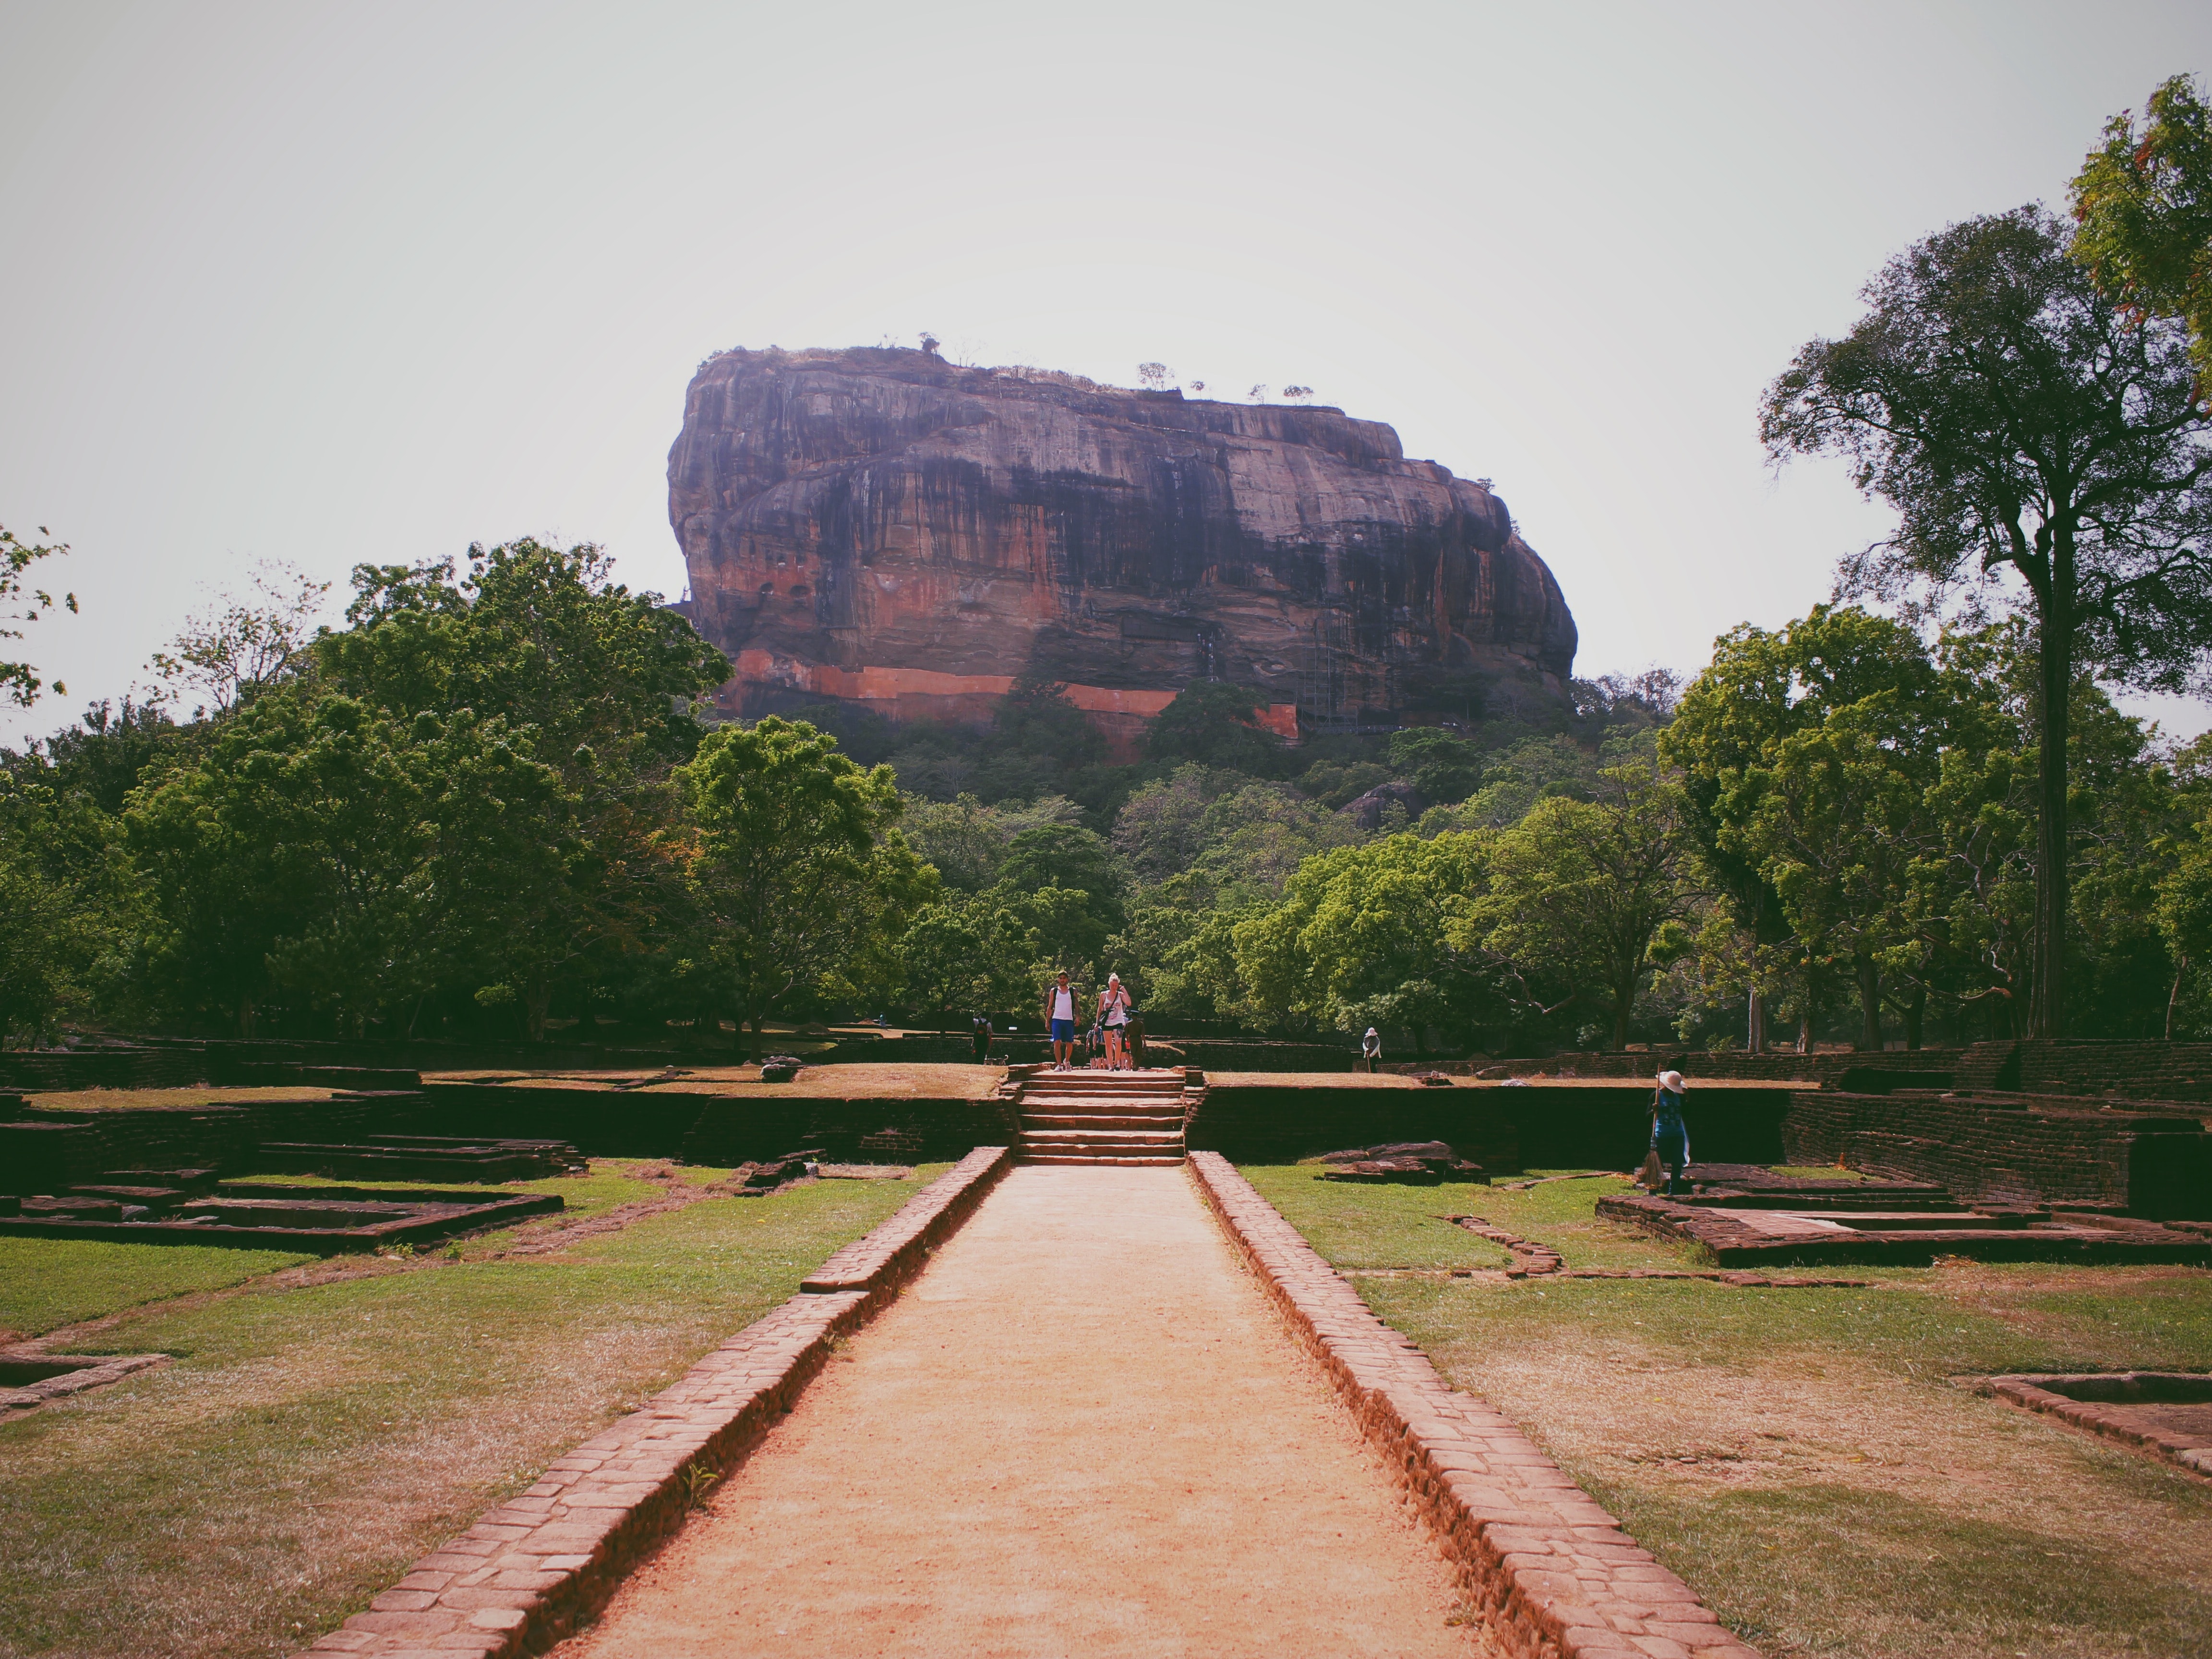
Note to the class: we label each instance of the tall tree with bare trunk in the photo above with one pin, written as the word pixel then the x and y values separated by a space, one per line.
pixel 2016 416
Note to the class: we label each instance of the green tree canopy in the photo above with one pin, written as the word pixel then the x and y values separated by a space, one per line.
pixel 2014 417
pixel 21 602
pixel 1591 894
pixel 1446 769
pixel 797 868
pixel 2143 207
pixel 1215 724
pixel 541 636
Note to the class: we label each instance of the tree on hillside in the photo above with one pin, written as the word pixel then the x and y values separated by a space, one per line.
pixel 1762 689
pixel 278 860
pixel 542 635
pixel 18 603
pixel 2014 417
pixel 1592 893
pixel 245 645
pixel 1215 724
pixel 1383 933
pixel 1446 769
pixel 795 862
pixel 66 894
pixel 2143 207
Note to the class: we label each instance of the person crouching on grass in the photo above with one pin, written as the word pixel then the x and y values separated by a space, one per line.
pixel 1060 1020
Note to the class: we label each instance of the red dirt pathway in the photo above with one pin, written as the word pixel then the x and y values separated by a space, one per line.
pixel 1082 1430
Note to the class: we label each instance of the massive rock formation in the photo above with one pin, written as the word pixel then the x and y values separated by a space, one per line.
pixel 881 524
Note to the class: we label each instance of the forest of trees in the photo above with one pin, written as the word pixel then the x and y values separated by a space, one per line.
pixel 493 803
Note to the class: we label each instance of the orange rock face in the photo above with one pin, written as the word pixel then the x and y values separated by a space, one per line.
pixel 881 526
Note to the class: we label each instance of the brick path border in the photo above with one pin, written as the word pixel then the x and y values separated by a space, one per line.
pixel 531 1569
pixel 2110 1417
pixel 1555 1573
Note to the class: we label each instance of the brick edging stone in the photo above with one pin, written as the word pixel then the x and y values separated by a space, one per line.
pixel 1555 1573
pixel 2096 1416
pixel 523 1577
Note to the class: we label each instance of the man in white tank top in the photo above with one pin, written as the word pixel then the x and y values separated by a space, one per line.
pixel 1060 1019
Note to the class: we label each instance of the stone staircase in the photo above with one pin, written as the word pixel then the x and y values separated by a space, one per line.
pixel 1103 1117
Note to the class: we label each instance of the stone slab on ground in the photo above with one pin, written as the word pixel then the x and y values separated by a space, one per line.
pixel 1746 1238
pixel 1081 1430
pixel 525 1574
pixel 1554 1571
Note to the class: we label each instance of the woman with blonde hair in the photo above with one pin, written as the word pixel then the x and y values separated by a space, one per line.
pixel 1114 1015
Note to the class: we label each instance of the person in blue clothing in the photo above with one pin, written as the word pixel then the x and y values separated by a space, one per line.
pixel 1670 1136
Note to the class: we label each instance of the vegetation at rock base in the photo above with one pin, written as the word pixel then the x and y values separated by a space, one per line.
pixel 493 803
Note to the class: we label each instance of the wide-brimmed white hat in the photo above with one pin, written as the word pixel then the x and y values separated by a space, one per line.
pixel 1671 1081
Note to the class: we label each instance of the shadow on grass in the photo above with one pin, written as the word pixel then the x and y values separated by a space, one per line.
pixel 1838 1569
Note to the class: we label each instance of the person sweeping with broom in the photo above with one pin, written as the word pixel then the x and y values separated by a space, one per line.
pixel 1670 1135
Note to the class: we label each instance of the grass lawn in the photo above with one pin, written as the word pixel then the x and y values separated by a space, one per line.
pixel 45 1283
pixel 314 1436
pixel 1802 1457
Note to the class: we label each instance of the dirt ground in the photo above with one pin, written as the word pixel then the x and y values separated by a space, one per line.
pixel 1081 1430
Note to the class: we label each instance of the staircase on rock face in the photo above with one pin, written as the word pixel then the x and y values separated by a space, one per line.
pixel 1105 1117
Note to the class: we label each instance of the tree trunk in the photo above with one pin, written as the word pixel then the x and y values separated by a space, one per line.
pixel 1916 1016
pixel 1808 1018
pixel 1624 1006
pixel 245 1017
pixel 2174 995
pixel 1756 1042
pixel 2047 1008
pixel 1870 979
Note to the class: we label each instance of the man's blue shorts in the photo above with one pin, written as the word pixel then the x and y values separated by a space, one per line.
pixel 1063 1030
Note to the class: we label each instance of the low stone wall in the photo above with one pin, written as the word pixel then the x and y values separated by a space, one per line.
pixel 1610 1128
pixel 2013 1148
pixel 529 1571
pixel 1555 1573
pixel 47 1151
pixel 2177 1072
pixel 1505 1129
pixel 727 1130
pixel 1257 1123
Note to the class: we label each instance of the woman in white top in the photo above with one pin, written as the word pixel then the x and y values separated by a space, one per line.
pixel 1114 1014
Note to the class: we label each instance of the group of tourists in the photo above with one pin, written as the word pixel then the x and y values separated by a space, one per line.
pixel 1113 1023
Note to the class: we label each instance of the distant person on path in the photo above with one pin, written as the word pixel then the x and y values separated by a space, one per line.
pixel 1670 1136
pixel 1060 1020
pixel 981 1034
pixel 1370 1050
pixel 1133 1034
pixel 1114 1014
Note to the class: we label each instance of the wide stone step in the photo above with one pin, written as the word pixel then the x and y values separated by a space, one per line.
pixel 1056 1092
pixel 1035 1122
pixel 1076 1082
pixel 1100 1139
pixel 1140 1105
pixel 1125 1159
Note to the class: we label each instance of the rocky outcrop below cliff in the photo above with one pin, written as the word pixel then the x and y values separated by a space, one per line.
pixel 883 526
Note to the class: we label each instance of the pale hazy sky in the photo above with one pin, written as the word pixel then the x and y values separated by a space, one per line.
pixel 329 283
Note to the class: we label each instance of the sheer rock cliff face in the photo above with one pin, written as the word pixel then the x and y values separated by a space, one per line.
pixel 882 525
